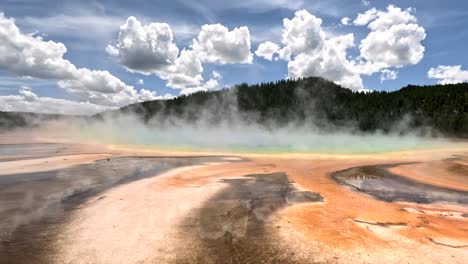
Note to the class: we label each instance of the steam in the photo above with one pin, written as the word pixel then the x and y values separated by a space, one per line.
pixel 237 137
pixel 218 125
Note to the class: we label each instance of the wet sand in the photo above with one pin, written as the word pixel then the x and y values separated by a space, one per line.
pixel 251 209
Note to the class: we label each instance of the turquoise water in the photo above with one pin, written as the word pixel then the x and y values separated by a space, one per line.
pixel 317 144
pixel 256 140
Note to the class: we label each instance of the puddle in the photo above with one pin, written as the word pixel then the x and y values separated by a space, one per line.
pixel 378 182
pixel 14 151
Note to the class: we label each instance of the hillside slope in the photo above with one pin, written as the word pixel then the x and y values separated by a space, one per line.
pixel 322 104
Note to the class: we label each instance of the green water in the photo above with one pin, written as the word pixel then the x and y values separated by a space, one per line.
pixel 276 143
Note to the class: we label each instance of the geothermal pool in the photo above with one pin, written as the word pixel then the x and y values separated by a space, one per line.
pixel 63 202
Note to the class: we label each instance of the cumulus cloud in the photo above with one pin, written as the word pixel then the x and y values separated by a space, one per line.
pixel 209 85
pixel 301 34
pixel 29 55
pixel 150 49
pixel 28 94
pixel 216 44
pixel 144 49
pixel 397 46
pixel 311 52
pixel 330 63
pixel 448 74
pixel 26 55
pixel 186 71
pixel 395 40
pixel 147 95
pixel 393 16
pixel 267 50
pixel 28 101
pixel 387 75
pixel 364 18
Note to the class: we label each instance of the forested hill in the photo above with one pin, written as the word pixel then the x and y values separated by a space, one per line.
pixel 312 102
pixel 323 104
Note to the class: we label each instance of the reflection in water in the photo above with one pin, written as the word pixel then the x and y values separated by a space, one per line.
pixel 378 182
pixel 15 151
pixel 33 205
pixel 31 196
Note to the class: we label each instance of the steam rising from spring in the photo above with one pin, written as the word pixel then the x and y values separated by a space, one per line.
pixel 241 137
pixel 215 122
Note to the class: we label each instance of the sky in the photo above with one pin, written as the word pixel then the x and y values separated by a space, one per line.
pixel 83 57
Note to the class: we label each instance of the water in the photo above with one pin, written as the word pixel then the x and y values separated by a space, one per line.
pixel 383 185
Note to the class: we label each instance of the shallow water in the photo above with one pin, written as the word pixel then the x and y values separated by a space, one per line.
pixel 383 185
pixel 28 197
pixel 248 139
pixel 40 149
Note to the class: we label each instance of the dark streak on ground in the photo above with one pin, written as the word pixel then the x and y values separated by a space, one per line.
pixel 34 206
pixel 381 184
pixel 235 225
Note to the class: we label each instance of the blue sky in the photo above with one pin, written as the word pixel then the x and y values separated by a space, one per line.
pixel 87 27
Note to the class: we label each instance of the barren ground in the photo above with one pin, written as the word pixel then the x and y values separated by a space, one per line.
pixel 69 203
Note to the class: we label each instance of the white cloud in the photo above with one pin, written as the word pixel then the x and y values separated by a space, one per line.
pixel 140 82
pixel 393 16
pixel 387 75
pixel 448 74
pixel 28 55
pixel 345 21
pixel 310 52
pixel 216 44
pixel 28 94
pixel 330 63
pixel 150 49
pixel 147 95
pixel 395 40
pixel 144 49
pixel 365 2
pixel 381 20
pixel 364 18
pixel 301 34
pixel 100 87
pixel 398 46
pixel 267 50
pixel 209 85
pixel 185 72
pixel 28 101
